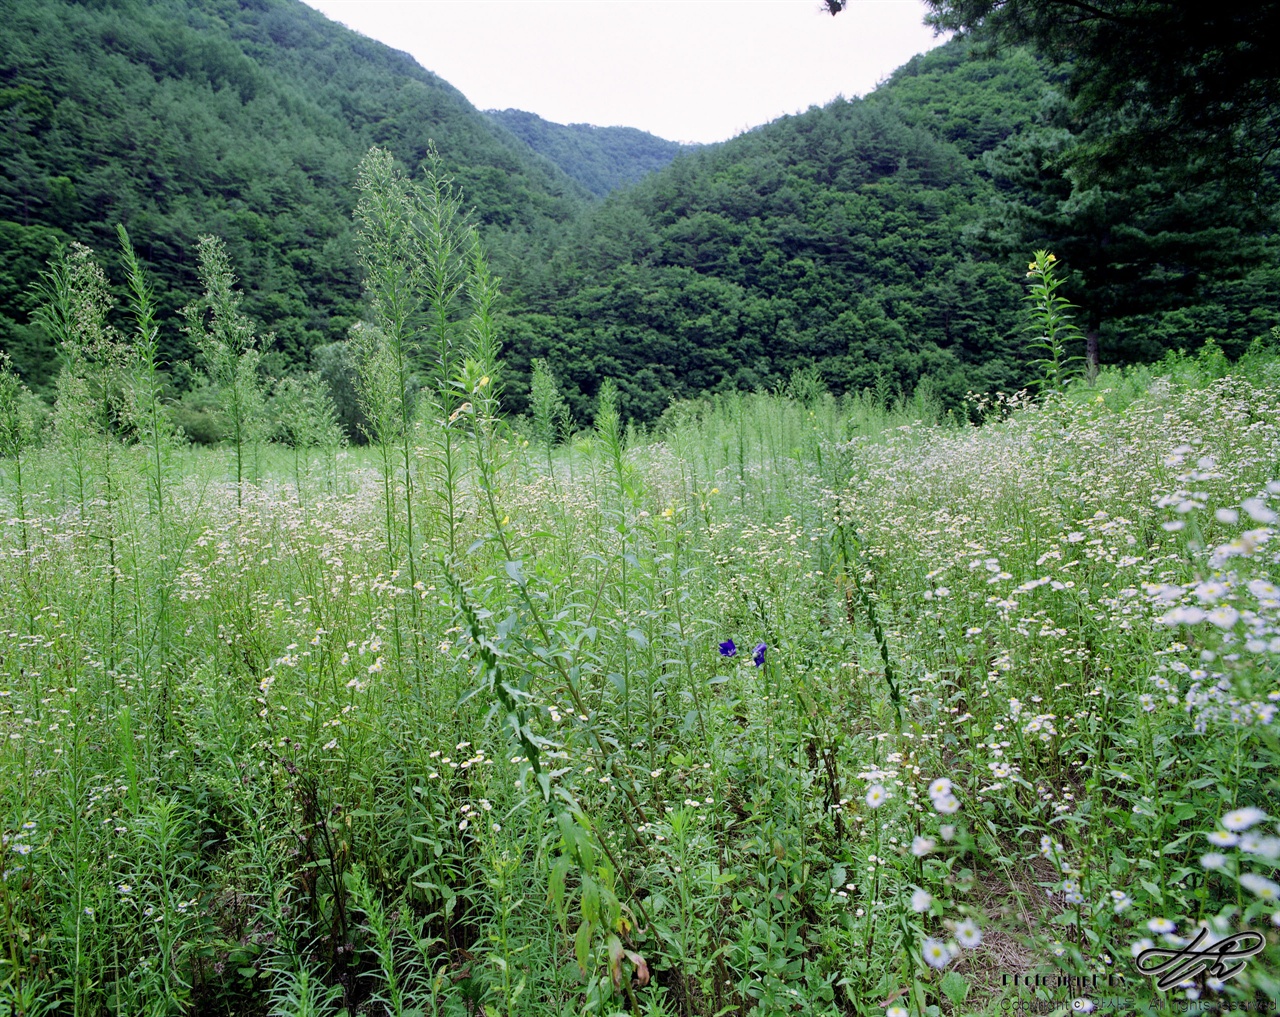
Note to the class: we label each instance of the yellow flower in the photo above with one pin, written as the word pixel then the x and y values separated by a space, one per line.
pixel 506 520
pixel 483 382
pixel 668 512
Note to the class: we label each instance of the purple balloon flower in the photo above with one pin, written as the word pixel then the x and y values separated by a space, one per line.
pixel 759 654
pixel 727 649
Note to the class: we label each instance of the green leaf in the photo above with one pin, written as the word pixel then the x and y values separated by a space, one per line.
pixel 954 987
pixel 568 831
pixel 559 871
pixel 590 897
pixel 581 944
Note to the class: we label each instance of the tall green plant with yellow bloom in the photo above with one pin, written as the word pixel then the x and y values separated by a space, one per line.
pixel 1051 324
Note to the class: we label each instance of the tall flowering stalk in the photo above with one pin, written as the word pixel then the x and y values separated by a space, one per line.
pixel 387 348
pixel 91 406
pixel 458 292
pixel 611 441
pixel 552 421
pixel 158 436
pixel 231 353
pixel 539 640
pixel 1050 323
pixel 419 256
pixel 155 430
pixel 17 431
pixel 74 312
pixel 849 551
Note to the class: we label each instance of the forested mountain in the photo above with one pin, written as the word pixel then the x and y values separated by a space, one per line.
pixel 602 159
pixel 884 241
pixel 834 237
pixel 242 119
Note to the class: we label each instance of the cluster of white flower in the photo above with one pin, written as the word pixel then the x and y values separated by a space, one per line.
pixel 944 801
pixel 938 953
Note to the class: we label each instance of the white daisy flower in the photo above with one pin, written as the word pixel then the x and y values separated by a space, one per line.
pixel 935 952
pixel 1267 847
pixel 921 846
pixel 968 934
pixel 921 901
pixel 876 796
pixel 1260 887
pixel 1161 925
pixel 1258 511
pixel 1210 592
pixel 1264 590
pixel 947 804
pixel 1224 617
pixel 1242 819
pixel 1183 616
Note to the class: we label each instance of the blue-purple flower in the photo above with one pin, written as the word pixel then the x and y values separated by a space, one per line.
pixel 759 654
pixel 727 649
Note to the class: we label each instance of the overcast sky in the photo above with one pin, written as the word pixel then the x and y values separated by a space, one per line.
pixel 687 70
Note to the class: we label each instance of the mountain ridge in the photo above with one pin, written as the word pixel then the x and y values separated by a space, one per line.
pixel 602 159
pixel 879 243
pixel 242 119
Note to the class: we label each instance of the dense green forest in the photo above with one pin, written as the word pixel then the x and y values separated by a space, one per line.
pixel 602 159
pixel 834 237
pixel 245 120
pixel 881 241
pixel 884 240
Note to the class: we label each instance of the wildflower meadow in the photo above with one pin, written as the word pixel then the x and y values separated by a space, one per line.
pixel 792 704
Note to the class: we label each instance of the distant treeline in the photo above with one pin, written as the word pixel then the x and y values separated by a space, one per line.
pixel 602 159
pixel 879 241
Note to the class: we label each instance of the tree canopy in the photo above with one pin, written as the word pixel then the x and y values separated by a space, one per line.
pixel 1157 77
pixel 880 243
pixel 244 120
pixel 1157 176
